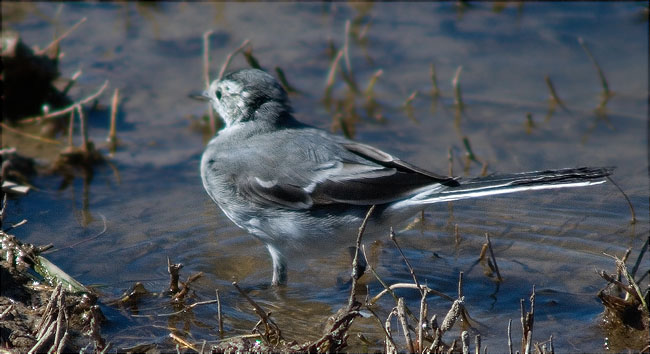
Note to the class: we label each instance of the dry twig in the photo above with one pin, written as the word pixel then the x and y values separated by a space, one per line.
pixel 61 37
pixel 66 110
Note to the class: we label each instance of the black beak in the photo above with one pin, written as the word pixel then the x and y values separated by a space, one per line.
pixel 199 96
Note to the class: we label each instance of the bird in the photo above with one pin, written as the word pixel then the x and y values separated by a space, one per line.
pixel 301 189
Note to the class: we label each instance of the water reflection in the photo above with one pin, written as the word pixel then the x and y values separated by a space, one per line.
pixel 159 209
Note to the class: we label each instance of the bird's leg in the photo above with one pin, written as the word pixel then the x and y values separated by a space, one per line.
pixel 279 266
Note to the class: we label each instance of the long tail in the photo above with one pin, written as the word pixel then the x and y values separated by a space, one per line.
pixel 515 182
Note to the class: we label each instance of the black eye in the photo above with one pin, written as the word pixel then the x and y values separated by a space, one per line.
pixel 218 94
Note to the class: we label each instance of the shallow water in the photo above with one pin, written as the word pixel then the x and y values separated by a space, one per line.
pixel 157 208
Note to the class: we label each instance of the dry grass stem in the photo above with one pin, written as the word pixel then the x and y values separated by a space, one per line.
pixel 53 324
pixel 212 121
pixel 455 82
pixel 66 110
pixel 555 99
pixel 71 130
pixel 27 135
pixel 509 336
pixel 470 156
pixel 401 316
pixel 84 129
pixel 494 260
pixel 481 255
pixel 173 270
pixel 206 58
pixel 41 341
pixel 346 47
pixel 6 311
pixel 435 91
pixel 389 343
pixel 527 320
pixel 355 265
pixel 284 82
pixel 368 92
pixel 629 203
pixel 601 75
pixel 620 265
pixel 408 264
pixel 182 342
pixel 224 67
pixel 250 59
pixel 187 308
pixel 331 75
pixel 112 134
pixel 637 264
pixel 272 334
pixel 392 287
pixel 388 336
pixel 219 315
pixel 450 161
pixel 452 347
pixel 180 296
pixel 464 340
pixel 61 37
pixel 421 322
pixel 71 82
pixel 410 98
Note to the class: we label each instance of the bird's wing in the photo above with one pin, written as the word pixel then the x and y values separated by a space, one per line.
pixel 331 172
pixel 373 154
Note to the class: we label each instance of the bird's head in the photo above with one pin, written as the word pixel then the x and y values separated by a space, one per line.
pixel 248 95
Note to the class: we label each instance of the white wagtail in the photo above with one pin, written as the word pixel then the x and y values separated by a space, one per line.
pixel 299 188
